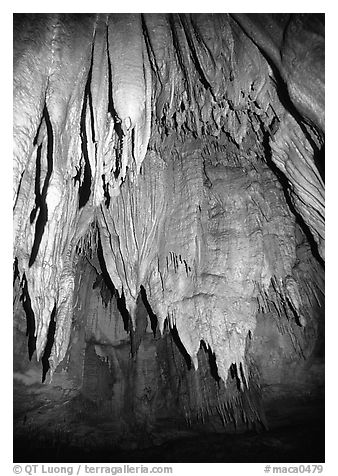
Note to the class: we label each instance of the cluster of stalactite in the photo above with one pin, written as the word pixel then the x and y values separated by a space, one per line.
pixel 172 140
pixel 135 375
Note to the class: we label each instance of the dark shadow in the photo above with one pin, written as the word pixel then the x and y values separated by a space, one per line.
pixel 241 372
pixel 49 345
pixel 30 320
pixel 152 316
pixel 40 199
pixel 113 113
pixel 16 273
pixel 105 291
pixel 234 376
pixel 85 187
pixel 180 346
pixel 105 274
pixel 288 306
pixel 303 441
pixel 141 324
pixel 39 231
pixel 212 361
pixel 120 300
pixel 319 159
pixel 18 189
pixel 121 306
pixel 106 194
pixel 37 185
pixel 77 177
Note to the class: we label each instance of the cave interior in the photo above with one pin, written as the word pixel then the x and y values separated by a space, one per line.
pixel 168 194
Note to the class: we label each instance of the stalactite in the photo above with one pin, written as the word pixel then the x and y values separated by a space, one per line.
pixel 131 83
pixel 205 229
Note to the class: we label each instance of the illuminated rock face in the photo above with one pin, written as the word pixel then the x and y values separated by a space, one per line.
pixel 169 204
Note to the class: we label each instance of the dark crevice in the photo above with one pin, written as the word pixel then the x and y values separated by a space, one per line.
pixel 120 300
pixel 212 361
pixel 294 312
pixel 133 144
pixel 49 345
pixel 121 306
pixel 90 97
pixel 37 185
pixel 180 346
pixel 111 109
pixel 103 267
pixel 37 135
pixel 41 198
pixel 113 113
pixel 234 375
pixel 18 189
pixel 16 273
pixel 39 230
pixel 30 320
pixel 242 375
pixel 152 316
pixel 319 159
pixel 85 187
pixel 77 177
pixel 105 291
pixel 106 194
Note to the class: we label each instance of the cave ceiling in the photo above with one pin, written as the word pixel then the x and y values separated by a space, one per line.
pixel 190 149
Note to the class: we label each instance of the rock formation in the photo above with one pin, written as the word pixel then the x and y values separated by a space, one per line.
pixel 168 220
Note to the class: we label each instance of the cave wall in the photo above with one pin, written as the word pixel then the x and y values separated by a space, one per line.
pixel 168 219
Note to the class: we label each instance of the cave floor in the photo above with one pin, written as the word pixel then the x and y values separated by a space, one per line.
pixel 47 431
pixel 301 443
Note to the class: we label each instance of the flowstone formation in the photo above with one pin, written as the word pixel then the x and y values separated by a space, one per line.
pixel 171 163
